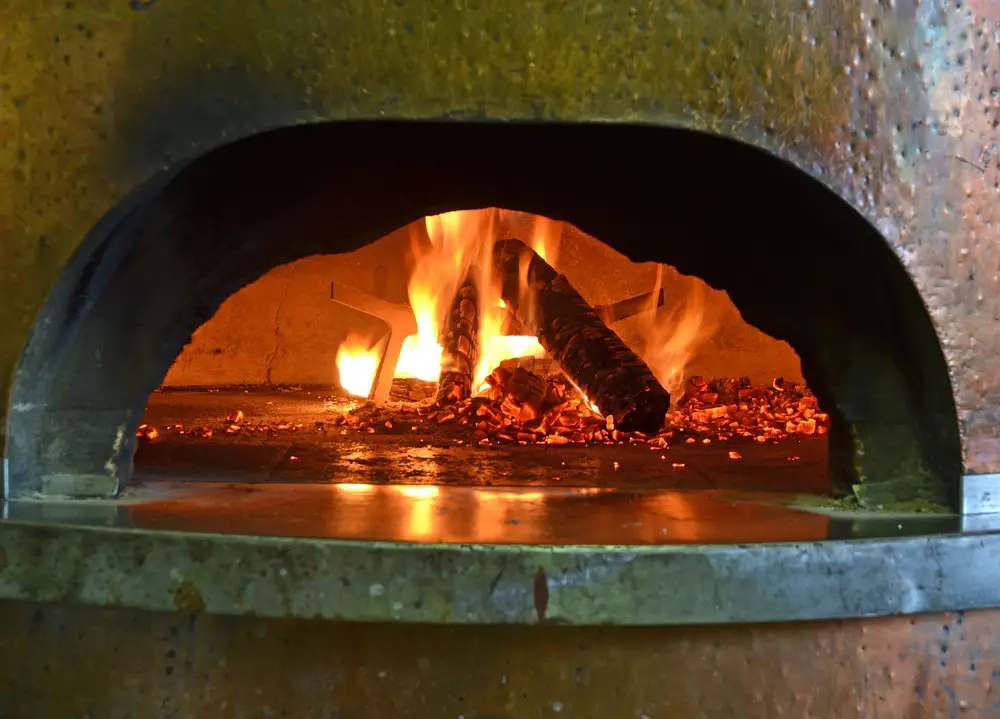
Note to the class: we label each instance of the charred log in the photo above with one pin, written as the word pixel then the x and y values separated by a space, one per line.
pixel 460 344
pixel 610 314
pixel 611 375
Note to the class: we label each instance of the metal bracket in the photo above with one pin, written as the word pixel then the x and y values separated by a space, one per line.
pixel 629 307
pixel 401 323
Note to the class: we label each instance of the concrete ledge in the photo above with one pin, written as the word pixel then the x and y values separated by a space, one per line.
pixel 377 581
pixel 78 485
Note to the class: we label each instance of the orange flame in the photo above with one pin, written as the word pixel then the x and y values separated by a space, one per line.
pixel 459 241
pixel 419 357
pixel 675 336
pixel 357 363
pixel 593 407
pixel 500 347
pixel 545 239
pixel 455 239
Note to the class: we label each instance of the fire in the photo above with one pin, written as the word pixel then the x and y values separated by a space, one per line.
pixel 419 357
pixel 461 242
pixel 500 347
pixel 459 245
pixel 545 239
pixel 674 337
pixel 593 407
pixel 456 238
pixel 357 364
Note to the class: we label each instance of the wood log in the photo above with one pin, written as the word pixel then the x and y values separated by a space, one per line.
pixel 459 341
pixel 611 375
pixel 615 312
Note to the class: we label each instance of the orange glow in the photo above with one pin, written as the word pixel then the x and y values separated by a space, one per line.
pixel 353 488
pixel 420 358
pixel 545 239
pixel 382 513
pixel 496 348
pixel 675 336
pixel 357 364
pixel 417 492
pixel 421 524
pixel 508 496
pixel 593 407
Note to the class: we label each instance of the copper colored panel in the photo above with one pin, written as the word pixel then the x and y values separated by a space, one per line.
pixel 68 661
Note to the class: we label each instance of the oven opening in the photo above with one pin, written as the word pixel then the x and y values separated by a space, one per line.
pixel 619 326
pixel 453 352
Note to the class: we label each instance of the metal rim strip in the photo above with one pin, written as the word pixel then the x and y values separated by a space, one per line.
pixel 508 584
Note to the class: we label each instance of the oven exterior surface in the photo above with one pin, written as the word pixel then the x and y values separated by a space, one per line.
pixel 130 663
pixel 892 105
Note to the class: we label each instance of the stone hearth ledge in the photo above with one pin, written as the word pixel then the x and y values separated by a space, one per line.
pixel 467 584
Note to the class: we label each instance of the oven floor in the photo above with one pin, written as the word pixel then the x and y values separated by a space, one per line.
pixel 473 515
pixel 433 456
pixel 466 515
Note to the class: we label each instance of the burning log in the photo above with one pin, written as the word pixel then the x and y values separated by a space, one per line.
pixel 460 343
pixel 610 374
pixel 609 314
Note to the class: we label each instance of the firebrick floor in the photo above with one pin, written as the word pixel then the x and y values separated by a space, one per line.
pixel 302 478
pixel 308 449
pixel 305 477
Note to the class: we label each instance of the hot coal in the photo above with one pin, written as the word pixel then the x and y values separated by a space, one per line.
pixel 540 406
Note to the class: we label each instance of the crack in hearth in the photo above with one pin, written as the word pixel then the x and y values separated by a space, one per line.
pixel 277 331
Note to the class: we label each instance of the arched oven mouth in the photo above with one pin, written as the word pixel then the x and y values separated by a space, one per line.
pixel 393 312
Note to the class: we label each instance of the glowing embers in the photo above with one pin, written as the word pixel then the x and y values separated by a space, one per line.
pixel 540 406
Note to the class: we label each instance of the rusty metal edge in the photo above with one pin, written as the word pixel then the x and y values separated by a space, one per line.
pixel 497 584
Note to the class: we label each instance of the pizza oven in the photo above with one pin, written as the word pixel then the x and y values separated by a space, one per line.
pixel 404 305
pixel 456 359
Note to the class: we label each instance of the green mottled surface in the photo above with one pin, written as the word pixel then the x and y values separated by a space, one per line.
pixel 56 558
pixel 95 97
